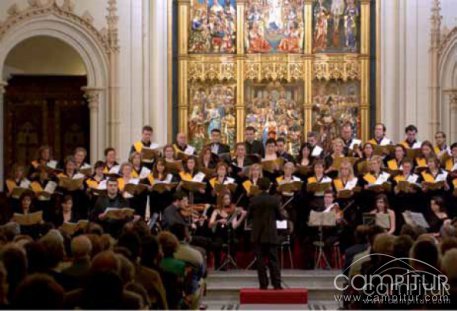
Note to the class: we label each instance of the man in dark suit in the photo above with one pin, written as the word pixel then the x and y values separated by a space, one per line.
pixel 264 210
pixel 253 146
pixel 216 146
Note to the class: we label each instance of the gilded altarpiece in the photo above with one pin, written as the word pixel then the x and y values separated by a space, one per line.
pixel 284 66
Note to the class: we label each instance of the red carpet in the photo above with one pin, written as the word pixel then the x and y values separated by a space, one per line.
pixel 270 296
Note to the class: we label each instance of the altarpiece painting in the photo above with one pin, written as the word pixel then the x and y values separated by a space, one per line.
pixel 274 109
pixel 285 67
pixel 274 26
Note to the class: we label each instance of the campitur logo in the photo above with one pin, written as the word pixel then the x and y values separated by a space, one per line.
pixel 395 282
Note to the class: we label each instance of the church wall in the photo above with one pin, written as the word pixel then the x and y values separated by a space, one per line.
pixel 405 42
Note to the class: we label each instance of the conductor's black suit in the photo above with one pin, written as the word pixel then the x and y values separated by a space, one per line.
pixel 264 210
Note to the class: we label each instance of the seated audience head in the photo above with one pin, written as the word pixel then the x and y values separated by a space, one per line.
pixel 426 255
pixel 168 242
pixel 402 245
pixel 132 242
pixel 448 265
pixel 53 242
pixel 447 244
pixel 105 261
pixel 81 247
pixel 39 291
pixel 181 232
pixel 361 234
pixel 150 251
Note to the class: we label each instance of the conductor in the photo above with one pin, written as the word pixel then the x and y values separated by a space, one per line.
pixel 264 210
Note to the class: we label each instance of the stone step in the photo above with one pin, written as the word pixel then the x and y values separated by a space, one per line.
pixel 223 286
pixel 233 293
pixel 234 305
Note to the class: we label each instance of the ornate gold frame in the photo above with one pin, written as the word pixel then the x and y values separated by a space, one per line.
pixel 272 67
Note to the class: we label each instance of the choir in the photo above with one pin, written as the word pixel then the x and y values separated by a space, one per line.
pixel 351 178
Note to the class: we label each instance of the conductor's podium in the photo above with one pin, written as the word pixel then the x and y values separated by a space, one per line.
pixel 271 299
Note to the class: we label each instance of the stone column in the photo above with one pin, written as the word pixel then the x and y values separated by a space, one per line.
pixel 2 140
pixel 435 20
pixel 453 110
pixel 92 96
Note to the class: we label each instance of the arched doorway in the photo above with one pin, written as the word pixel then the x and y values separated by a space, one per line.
pixel 98 50
pixel 44 102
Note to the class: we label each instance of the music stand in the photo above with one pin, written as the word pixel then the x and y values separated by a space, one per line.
pixel 229 260
pixel 280 225
pixel 320 220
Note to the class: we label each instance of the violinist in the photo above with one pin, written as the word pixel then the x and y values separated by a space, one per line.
pixel 172 214
pixel 224 221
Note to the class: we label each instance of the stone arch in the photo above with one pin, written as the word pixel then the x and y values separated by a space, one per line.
pixel 447 75
pixel 92 45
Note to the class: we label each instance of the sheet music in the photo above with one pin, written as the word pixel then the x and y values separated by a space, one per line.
pixel 412 178
pixel 102 185
pixel 25 183
pixel 382 178
pixel 78 176
pixel 316 151
pixel 85 166
pixel 281 224
pixel 50 187
pixel 144 172
pixel 115 169
pixel 229 181
pixel 199 177
pixel 441 177
pixel 351 184
pixel 134 181
pixel 189 150
pixel 52 164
